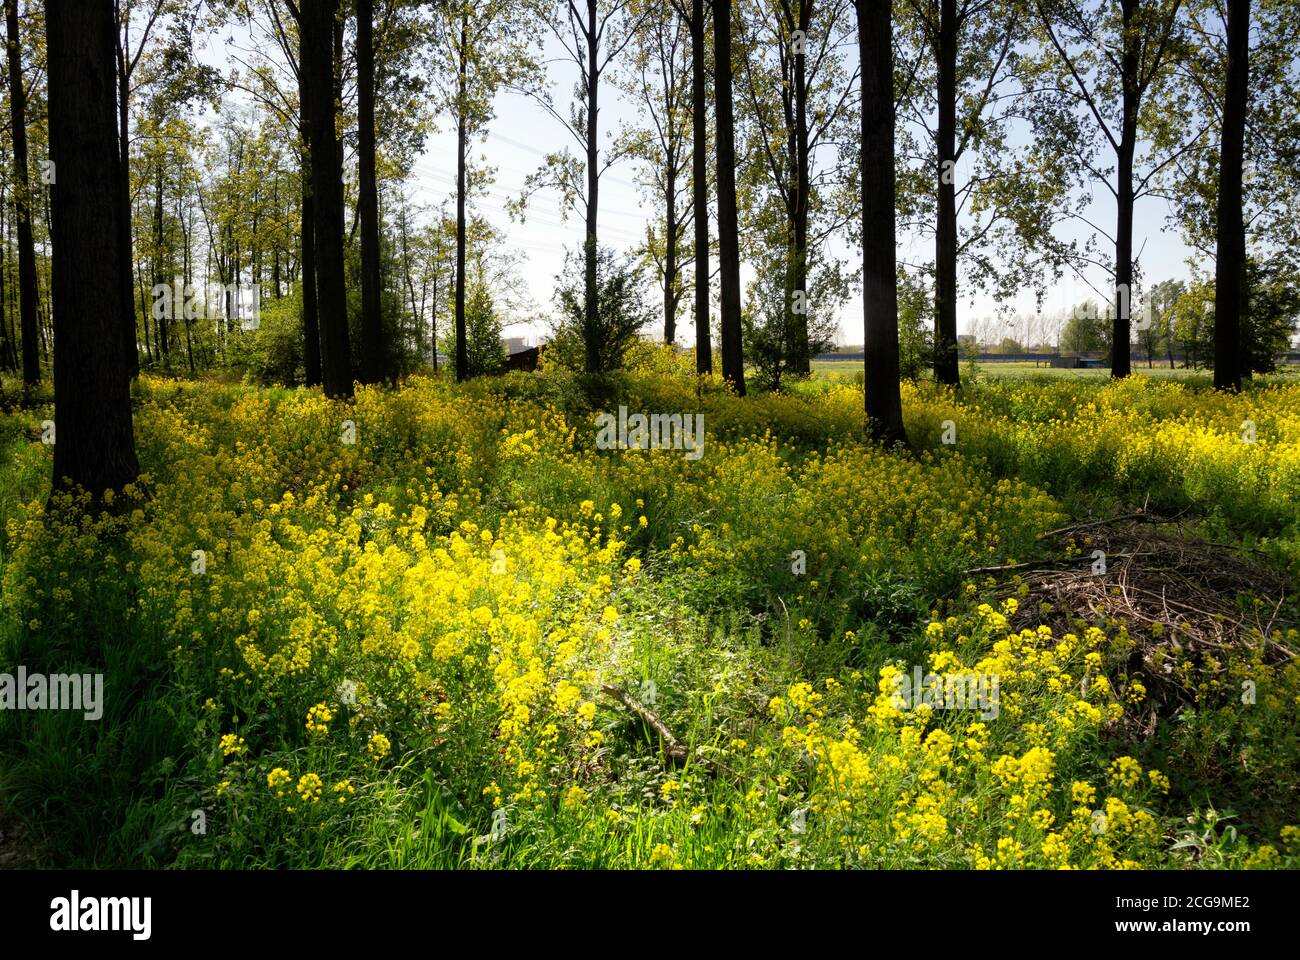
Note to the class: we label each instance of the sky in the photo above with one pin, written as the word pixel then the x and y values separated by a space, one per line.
pixel 522 133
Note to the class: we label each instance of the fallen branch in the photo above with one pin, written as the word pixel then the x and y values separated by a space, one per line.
pixel 1140 517
pixel 673 748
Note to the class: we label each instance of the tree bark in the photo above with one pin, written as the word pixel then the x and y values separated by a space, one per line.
pixel 590 319
pixel 884 406
pixel 1230 261
pixel 801 360
pixel 94 443
pixel 700 189
pixel 123 188
pixel 23 203
pixel 462 348
pixel 1120 361
pixel 946 367
pixel 733 361
pixel 317 59
pixel 670 252
pixel 374 365
pixel 310 325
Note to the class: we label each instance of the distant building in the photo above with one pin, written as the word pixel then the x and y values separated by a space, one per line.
pixel 516 344
pixel 526 359
pixel 1074 361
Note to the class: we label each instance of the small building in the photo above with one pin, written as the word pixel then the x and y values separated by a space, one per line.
pixel 527 359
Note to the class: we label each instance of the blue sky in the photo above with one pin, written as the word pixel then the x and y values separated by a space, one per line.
pixel 522 133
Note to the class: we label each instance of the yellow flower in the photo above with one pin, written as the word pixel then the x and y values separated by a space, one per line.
pixel 318 719
pixel 378 747
pixel 662 856
pixel 309 787
pixel 277 779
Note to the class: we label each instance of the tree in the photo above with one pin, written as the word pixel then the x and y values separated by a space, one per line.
pixel 375 361
pixel 591 39
pixel 1114 77
pixel 1158 332
pixel 915 326
pixel 1085 330
pixel 1230 259
pixel 733 360
pixel 94 443
pixel 482 46
pixel 700 187
pixel 884 405
pixel 22 201
pixel 800 186
pixel 964 90
pixel 656 78
pixel 1192 322
pixel 317 29
pixel 1271 314
pixel 620 311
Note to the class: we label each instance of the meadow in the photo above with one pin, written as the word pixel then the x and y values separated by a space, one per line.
pixel 437 626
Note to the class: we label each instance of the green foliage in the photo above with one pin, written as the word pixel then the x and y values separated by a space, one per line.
pixel 622 310
pixel 272 352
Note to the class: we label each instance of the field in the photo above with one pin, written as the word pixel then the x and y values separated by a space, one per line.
pixel 439 627
pixel 850 369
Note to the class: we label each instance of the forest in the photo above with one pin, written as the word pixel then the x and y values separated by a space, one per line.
pixel 307 564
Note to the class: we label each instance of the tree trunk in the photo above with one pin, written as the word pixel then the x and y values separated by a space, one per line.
pixel 1230 261
pixel 670 252
pixel 23 203
pixel 946 368
pixel 1120 362
pixel 700 189
pixel 123 188
pixel 159 273
pixel 317 61
pixel 801 361
pixel 94 443
pixel 884 406
pixel 590 318
pixel 310 326
pixel 733 360
pixel 462 348
pixel 6 347
pixel 374 365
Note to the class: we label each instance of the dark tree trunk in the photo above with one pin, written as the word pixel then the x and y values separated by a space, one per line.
pixel 462 349
pixel 801 360
pixel 670 252
pixel 318 24
pixel 275 247
pixel 946 367
pixel 23 204
pixel 310 326
pixel 159 273
pixel 94 443
pixel 1120 360
pixel 123 188
pixel 374 356
pixel 590 319
pixel 1230 262
pixel 700 188
pixel 7 357
pixel 884 406
pixel 733 360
